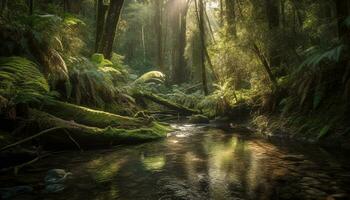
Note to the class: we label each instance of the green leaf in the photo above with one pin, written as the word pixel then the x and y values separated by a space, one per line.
pixel 324 131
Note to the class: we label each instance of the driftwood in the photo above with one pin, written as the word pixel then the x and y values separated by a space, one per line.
pixel 164 102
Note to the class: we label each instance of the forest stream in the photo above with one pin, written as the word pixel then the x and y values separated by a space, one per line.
pixel 195 162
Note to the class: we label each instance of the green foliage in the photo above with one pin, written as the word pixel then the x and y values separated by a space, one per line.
pixel 316 55
pixel 21 81
pixel 94 84
pixel 324 131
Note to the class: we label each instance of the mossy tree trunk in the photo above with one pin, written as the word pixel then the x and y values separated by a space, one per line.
pixel 72 134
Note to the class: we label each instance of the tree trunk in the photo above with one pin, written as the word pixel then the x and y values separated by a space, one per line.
pixel 31 6
pixel 342 7
pixel 108 35
pixel 65 5
pixel 159 32
pixel 100 21
pixel 3 6
pixel 266 65
pixel 231 17
pixel 171 105
pixel 202 38
pixel 143 43
pixel 273 19
pixel 179 41
pixel 221 12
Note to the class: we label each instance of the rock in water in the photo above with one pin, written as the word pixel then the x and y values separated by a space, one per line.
pixel 55 176
pixel 54 188
pixel 199 119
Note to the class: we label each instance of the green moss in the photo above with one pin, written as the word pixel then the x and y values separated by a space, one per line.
pixel 150 76
pixel 87 136
pixel 89 116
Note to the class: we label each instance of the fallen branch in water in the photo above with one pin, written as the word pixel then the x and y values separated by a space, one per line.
pixel 18 167
pixel 72 139
pixel 29 138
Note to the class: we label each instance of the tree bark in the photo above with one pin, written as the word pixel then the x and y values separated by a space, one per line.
pixel 31 6
pixel 202 38
pixel 273 19
pixel 3 6
pixel 159 100
pixel 107 39
pixel 179 42
pixel 231 17
pixel 342 7
pixel 65 6
pixel 100 21
pixel 265 64
pixel 159 32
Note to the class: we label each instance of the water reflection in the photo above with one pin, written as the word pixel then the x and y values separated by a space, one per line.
pixel 202 163
pixel 153 163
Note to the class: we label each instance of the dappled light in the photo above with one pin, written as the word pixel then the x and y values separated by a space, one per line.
pixel 174 99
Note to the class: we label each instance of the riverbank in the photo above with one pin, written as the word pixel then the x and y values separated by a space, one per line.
pixel 276 126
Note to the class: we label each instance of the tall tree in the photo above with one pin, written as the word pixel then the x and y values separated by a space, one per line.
pixel 3 6
pixel 31 6
pixel 109 30
pixel 200 10
pixel 231 17
pixel 65 5
pixel 273 19
pixel 342 7
pixel 179 27
pixel 101 9
pixel 159 32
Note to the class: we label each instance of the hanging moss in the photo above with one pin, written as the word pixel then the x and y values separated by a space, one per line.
pixel 89 116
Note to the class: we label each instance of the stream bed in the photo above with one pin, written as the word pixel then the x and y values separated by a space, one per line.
pixel 194 162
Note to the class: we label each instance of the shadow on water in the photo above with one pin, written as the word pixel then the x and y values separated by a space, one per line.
pixel 198 163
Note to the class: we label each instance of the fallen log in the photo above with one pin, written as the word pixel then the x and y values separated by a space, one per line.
pixel 90 117
pixel 171 105
pixel 92 137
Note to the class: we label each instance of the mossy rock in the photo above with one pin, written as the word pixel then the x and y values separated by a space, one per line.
pixel 92 137
pixel 152 76
pixel 100 60
pixel 90 117
pixel 97 58
pixel 199 119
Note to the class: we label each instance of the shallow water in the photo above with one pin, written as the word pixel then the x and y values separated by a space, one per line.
pixel 196 163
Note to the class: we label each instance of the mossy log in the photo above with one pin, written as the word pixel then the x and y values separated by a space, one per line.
pixel 171 105
pixel 73 133
pixel 90 117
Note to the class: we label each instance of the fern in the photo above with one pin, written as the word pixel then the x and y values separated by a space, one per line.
pixel 317 55
pixel 21 81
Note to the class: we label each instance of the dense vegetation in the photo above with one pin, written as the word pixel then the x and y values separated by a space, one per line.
pixel 98 73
